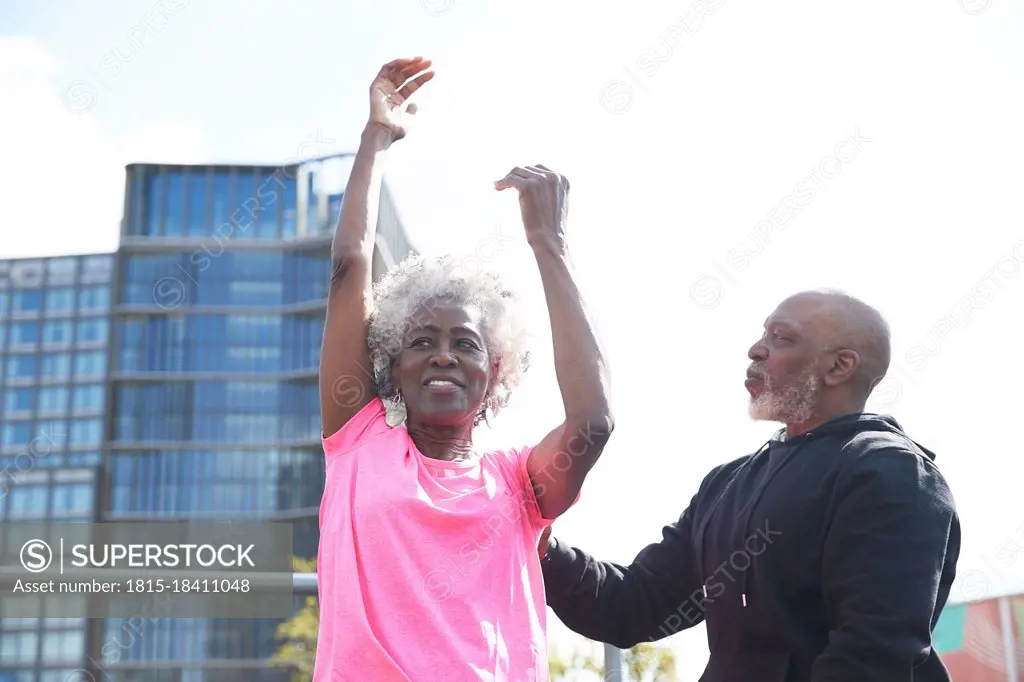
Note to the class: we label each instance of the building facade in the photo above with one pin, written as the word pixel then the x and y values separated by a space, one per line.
pixel 54 333
pixel 983 640
pixel 216 301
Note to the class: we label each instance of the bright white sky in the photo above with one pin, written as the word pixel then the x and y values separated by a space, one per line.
pixel 673 164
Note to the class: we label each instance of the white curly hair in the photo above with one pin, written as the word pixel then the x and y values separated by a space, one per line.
pixel 418 280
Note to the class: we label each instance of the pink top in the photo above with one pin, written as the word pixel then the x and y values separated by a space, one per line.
pixel 428 570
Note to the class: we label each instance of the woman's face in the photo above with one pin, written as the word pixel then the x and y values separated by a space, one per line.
pixel 443 369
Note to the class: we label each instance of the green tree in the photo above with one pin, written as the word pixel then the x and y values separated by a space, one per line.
pixel 646 659
pixel 560 668
pixel 298 634
pixel 643 663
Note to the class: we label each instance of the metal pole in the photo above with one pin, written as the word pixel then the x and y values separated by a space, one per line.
pixel 304 583
pixel 1009 645
pixel 613 664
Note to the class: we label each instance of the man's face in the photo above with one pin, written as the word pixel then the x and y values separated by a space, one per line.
pixel 785 377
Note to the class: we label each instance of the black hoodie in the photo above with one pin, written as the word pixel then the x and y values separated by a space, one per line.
pixel 826 557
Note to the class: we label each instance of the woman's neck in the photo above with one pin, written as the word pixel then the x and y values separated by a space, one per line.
pixel 448 443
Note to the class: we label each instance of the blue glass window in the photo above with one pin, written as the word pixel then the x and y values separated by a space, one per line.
pixel 61 270
pixel 84 459
pixel 94 298
pixel 27 300
pixel 154 205
pixel 88 399
pixel 242 214
pixel 73 499
pixel 198 222
pixel 92 331
pixel 53 400
pixel 174 218
pixel 269 195
pixel 137 203
pixel 60 300
pixel 64 646
pixel 50 433
pixel 28 501
pixel 24 641
pixel 21 366
pixel 312 205
pixel 223 205
pixel 24 334
pixel 18 399
pixel 90 364
pixel 58 333
pixel 86 431
pixel 333 210
pixel 97 268
pixel 19 647
pixel 290 199
pixel 56 366
pixel 3 304
pixel 215 481
pixel 16 433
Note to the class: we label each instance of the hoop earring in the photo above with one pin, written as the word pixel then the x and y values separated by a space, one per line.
pixel 395 412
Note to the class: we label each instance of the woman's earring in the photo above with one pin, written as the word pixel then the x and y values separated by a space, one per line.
pixel 395 413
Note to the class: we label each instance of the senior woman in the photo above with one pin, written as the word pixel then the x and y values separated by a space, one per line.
pixel 428 565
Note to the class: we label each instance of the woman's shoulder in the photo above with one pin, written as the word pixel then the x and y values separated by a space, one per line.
pixel 368 424
pixel 507 454
pixel 511 461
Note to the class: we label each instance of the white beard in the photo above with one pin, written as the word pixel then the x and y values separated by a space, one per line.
pixel 791 404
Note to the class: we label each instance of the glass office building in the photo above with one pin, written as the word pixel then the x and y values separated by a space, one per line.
pixel 54 331
pixel 188 376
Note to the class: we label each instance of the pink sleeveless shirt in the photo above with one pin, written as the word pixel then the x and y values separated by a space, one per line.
pixel 428 570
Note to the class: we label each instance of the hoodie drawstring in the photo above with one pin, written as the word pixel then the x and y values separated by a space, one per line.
pixel 786 459
pixel 750 507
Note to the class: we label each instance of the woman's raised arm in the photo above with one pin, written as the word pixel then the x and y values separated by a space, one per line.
pixel 346 374
pixel 561 461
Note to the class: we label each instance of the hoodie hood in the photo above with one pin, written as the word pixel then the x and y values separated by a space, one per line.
pixel 854 423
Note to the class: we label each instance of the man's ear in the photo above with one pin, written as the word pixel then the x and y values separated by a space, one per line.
pixel 844 365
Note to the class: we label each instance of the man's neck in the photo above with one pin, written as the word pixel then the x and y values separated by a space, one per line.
pixel 822 417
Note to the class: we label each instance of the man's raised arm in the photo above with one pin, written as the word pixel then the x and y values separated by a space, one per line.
pixel 655 596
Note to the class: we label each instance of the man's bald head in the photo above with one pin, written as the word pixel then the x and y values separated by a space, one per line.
pixel 821 350
pixel 845 322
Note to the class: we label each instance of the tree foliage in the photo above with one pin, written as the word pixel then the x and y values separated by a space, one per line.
pixel 298 634
pixel 643 663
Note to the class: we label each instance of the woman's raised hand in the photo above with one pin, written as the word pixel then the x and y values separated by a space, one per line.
pixel 390 107
pixel 543 201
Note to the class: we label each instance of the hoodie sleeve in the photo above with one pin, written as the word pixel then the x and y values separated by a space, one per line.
pixel 655 596
pixel 894 527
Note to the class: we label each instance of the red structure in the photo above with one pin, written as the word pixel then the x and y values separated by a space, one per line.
pixel 983 641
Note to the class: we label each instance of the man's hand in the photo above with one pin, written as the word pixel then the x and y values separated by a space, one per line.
pixel 389 94
pixel 543 201
pixel 542 546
